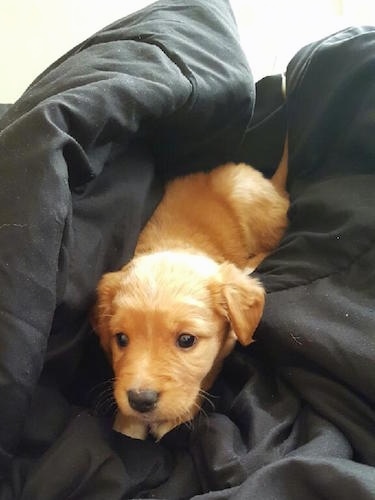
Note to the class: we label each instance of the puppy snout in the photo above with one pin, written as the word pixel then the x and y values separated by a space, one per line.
pixel 142 400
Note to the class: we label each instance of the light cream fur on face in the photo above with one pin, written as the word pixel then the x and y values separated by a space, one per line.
pixel 187 285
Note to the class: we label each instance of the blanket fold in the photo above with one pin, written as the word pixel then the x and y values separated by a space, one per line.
pixel 79 152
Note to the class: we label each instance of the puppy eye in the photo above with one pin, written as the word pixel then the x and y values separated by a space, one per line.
pixel 122 339
pixel 186 340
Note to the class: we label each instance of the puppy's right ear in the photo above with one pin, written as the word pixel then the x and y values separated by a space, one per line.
pixel 102 310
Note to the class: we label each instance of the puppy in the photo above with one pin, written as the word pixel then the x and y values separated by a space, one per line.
pixel 170 316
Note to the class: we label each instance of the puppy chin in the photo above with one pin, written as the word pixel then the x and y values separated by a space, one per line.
pixel 130 426
pixel 139 426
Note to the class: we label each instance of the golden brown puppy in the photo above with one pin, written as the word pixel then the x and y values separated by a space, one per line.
pixel 170 316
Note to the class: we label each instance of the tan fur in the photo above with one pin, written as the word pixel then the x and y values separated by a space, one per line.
pixel 188 276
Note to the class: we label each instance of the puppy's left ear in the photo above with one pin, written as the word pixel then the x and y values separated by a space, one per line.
pixel 240 299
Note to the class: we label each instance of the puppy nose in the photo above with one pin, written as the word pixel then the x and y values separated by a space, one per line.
pixel 142 400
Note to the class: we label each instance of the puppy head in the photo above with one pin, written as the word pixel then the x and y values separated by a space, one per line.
pixel 167 320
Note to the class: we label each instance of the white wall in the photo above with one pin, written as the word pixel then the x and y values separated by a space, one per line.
pixel 272 31
pixel 33 33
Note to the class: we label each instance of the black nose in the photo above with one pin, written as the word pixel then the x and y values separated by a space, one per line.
pixel 142 400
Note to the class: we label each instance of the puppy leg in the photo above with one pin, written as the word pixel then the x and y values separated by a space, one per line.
pixel 254 262
pixel 280 176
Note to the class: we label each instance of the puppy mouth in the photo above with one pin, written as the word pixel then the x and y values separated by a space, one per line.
pixel 151 416
pixel 154 417
pixel 148 418
pixel 155 422
pixel 167 409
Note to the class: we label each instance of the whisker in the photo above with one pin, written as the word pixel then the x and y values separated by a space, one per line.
pixel 103 401
pixel 206 397
pixel 105 406
pixel 208 394
pixel 201 410
pixel 108 382
pixel 187 423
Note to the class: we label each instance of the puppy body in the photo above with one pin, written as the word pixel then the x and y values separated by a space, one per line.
pixel 170 316
pixel 231 214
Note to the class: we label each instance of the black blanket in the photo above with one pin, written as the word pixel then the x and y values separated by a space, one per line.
pixel 84 155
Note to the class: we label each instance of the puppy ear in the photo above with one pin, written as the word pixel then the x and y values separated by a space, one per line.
pixel 241 301
pixel 102 311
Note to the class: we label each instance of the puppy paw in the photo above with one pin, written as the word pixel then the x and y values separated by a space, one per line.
pixel 161 429
pixel 130 427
